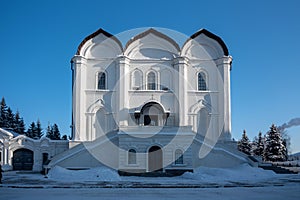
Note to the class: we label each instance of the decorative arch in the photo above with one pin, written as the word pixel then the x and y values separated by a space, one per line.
pixel 96 106
pixel 99 120
pixel 152 114
pixel 100 41
pixel 22 142
pixel 152 41
pixel 204 45
pixel 199 116
pixel 194 109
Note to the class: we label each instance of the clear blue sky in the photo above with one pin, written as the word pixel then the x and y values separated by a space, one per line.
pixel 38 39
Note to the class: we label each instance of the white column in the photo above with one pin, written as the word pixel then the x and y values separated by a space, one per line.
pixel 79 85
pixel 181 65
pixel 4 155
pixel 225 67
pixel 5 152
pixel 122 90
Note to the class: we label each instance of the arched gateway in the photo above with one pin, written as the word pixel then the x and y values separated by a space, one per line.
pixel 23 159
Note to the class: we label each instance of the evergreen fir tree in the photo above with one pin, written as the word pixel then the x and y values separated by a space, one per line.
pixel 10 119
pixel 244 144
pixel 39 130
pixel 49 133
pixel 56 133
pixel 19 124
pixel 258 145
pixel 64 137
pixel 275 149
pixel 21 127
pixel 31 132
pixel 3 114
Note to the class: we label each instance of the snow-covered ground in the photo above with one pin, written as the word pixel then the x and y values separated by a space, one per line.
pixel 104 177
pixel 215 183
pixel 202 174
pixel 94 174
pixel 244 174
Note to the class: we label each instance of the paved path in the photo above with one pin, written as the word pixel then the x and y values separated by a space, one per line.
pixel 35 180
pixel 273 193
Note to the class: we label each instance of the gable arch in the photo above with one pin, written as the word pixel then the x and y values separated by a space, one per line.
pixel 97 105
pixel 100 44
pixel 151 44
pixel 204 45
pixel 201 104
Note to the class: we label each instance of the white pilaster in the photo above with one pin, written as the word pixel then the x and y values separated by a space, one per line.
pixel 181 90
pixel 224 66
pixel 122 90
pixel 79 85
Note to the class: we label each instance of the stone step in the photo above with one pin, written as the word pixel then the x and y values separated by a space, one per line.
pixel 278 170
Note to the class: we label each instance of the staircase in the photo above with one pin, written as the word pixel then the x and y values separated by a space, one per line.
pixel 79 148
pixel 167 173
pixel 277 170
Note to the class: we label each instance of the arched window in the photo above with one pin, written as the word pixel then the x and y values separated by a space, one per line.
pixel 137 80
pixel 151 81
pixel 202 81
pixel 165 80
pixel 178 157
pixel 101 81
pixel 132 156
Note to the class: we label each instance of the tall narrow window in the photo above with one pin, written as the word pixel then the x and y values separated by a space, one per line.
pixel 178 157
pixel 101 81
pixel 137 80
pixel 151 82
pixel 131 156
pixel 201 81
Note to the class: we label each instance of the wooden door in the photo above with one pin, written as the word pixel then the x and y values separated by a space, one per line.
pixel 155 159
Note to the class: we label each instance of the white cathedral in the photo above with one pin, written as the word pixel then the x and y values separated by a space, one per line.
pixel 151 105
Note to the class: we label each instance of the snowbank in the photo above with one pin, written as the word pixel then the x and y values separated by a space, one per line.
pixel 93 174
pixel 240 173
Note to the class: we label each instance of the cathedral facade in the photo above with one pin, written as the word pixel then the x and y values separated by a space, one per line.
pixel 152 105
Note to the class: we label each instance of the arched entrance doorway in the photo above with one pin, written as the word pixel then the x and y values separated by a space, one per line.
pixel 153 114
pixel 23 159
pixel 155 159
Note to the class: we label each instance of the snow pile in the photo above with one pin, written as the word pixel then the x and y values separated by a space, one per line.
pixel 93 174
pixel 240 173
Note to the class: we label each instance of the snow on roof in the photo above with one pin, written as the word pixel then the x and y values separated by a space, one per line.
pixel 9 132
